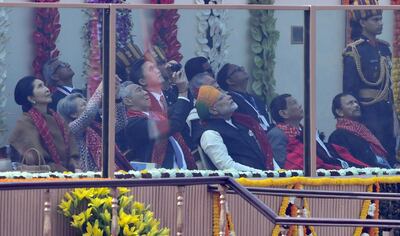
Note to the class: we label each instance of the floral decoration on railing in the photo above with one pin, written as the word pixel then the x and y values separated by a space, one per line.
pixel 369 210
pixel 4 26
pixel 93 40
pixel 396 58
pixel 216 212
pixel 90 211
pixel 263 40
pixel 165 31
pixel 289 208
pixel 176 173
pixel 46 30
pixel 212 34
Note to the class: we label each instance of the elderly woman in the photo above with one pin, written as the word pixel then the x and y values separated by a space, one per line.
pixel 41 128
pixel 80 116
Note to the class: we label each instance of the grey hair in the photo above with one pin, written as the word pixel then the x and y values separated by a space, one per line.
pixel 123 89
pixel 67 106
pixel 197 81
pixel 48 71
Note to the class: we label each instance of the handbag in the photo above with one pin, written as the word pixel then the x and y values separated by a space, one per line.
pixel 39 168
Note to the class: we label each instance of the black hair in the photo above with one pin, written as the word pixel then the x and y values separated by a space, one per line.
pixel 137 71
pixel 194 66
pixel 222 77
pixel 23 90
pixel 356 30
pixel 277 104
pixel 337 103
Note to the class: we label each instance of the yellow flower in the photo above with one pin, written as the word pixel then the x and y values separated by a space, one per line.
pixel 81 193
pixel 139 206
pixel 125 219
pixel 108 201
pixel 102 191
pixel 96 202
pixel 65 206
pixel 79 220
pixel 106 216
pixel 123 190
pixel 124 201
pixel 164 232
pixel 93 230
pixel 130 231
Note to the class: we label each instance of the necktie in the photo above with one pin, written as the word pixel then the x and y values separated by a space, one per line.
pixel 164 104
pixel 178 153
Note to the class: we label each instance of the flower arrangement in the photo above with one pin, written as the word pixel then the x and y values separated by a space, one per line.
pixel 4 23
pixel 47 28
pixel 165 31
pixel 229 227
pixel 93 40
pixel 212 34
pixel 264 38
pixel 90 212
pixel 289 209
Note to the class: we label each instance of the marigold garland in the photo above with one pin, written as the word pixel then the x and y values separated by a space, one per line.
pixel 229 228
pixel 47 28
pixel 165 31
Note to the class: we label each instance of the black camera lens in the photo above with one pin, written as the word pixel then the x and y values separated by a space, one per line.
pixel 175 67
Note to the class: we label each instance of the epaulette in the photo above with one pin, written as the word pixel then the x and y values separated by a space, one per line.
pixel 349 48
pixel 383 42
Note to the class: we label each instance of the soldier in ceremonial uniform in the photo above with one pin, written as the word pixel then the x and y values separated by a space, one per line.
pixel 367 75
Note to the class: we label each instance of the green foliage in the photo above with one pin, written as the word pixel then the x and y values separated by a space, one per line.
pixel 90 212
pixel 264 38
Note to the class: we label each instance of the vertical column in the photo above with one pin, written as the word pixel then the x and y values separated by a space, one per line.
pixel 47 214
pixel 222 216
pixel 114 210
pixel 180 211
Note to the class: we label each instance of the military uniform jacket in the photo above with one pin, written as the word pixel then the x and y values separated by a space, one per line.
pixel 366 75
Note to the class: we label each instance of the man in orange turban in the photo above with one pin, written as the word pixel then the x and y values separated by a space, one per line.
pixel 228 144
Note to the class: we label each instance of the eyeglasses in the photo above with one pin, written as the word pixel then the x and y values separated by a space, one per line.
pixel 236 69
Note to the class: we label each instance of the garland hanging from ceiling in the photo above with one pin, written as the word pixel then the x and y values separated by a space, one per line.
pixel 165 31
pixel 212 34
pixel 93 40
pixel 46 30
pixel 263 40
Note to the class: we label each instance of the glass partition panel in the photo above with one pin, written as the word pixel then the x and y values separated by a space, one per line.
pixel 51 61
pixel 356 88
pixel 197 86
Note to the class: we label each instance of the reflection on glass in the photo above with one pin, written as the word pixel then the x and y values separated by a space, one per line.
pixel 210 109
pixel 359 120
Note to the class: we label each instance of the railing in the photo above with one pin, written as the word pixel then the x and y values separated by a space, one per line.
pixel 228 185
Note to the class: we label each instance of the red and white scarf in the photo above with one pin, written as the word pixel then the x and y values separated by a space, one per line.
pixel 363 132
pixel 44 132
pixel 289 130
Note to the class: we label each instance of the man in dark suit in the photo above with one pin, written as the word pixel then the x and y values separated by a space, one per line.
pixel 59 75
pixel 234 79
pixel 228 144
pixel 152 136
pixel 354 135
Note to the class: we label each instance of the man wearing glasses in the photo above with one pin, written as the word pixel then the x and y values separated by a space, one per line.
pixel 59 75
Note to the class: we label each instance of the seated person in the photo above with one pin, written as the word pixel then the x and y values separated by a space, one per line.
pixel 234 79
pixel 287 144
pixel 193 119
pixel 355 136
pixel 228 144
pixel 41 128
pixel 59 75
pixel 81 120
pixel 151 136
pixel 197 65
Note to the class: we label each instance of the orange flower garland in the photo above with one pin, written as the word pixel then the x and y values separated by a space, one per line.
pixel 229 229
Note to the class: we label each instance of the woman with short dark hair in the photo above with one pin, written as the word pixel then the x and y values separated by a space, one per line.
pixel 41 128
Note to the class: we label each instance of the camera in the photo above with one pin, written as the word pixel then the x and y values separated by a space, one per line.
pixel 175 67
